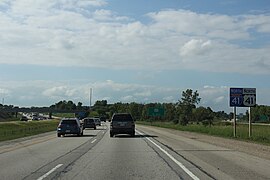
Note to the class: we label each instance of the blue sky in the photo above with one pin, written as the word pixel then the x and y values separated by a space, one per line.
pixel 136 50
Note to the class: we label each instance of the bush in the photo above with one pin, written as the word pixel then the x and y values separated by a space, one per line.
pixel 205 122
pixel 175 121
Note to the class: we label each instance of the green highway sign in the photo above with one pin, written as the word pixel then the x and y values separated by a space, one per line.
pixel 156 111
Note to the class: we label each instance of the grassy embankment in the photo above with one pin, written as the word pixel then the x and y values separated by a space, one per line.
pixel 17 129
pixel 260 133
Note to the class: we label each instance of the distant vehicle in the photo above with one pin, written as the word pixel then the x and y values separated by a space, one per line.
pixel 89 123
pixel 97 121
pixel 24 118
pixel 35 116
pixel 122 123
pixel 69 126
pixel 102 118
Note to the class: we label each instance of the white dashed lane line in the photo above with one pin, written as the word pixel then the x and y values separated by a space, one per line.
pixel 49 172
pixel 93 141
pixel 172 158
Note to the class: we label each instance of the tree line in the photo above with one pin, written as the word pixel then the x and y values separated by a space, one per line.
pixel 185 111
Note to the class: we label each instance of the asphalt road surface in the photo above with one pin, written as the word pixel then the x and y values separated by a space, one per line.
pixel 152 154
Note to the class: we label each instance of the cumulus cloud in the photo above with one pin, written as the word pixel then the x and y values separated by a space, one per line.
pixel 107 15
pixel 219 99
pixel 170 99
pixel 215 97
pixel 127 99
pixel 146 93
pixel 195 47
pixel 48 92
pixel 80 33
pixel 59 91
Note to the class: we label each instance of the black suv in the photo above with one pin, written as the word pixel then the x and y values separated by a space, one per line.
pixel 69 126
pixel 122 123
pixel 89 123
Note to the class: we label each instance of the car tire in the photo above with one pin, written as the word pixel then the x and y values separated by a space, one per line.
pixel 132 134
pixel 79 134
pixel 58 135
pixel 95 128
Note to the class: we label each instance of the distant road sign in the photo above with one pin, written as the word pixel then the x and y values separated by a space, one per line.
pixel 156 111
pixel 242 97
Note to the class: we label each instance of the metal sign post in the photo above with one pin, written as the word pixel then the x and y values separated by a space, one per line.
pixel 249 123
pixel 234 122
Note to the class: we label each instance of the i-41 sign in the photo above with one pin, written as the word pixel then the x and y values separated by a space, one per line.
pixel 242 97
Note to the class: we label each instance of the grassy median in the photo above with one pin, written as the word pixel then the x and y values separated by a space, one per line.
pixel 17 129
pixel 260 133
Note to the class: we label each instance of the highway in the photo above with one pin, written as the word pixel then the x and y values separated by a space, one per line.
pixel 153 153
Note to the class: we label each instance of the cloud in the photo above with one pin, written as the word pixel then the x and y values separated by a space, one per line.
pixel 107 15
pixel 195 47
pixel 169 99
pixel 59 91
pixel 127 99
pixel 146 93
pixel 219 99
pixel 80 33
pixel 215 97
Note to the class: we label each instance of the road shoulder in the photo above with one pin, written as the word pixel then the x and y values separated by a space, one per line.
pixel 258 150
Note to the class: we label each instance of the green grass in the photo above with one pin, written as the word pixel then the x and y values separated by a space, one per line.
pixel 260 134
pixel 17 129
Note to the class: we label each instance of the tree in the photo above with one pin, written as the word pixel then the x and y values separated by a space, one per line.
pixel 170 114
pixel 79 106
pixel 101 107
pixel 187 104
pixel 203 115
pixel 135 110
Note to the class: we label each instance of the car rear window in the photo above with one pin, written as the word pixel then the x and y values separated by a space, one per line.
pixel 89 120
pixel 70 122
pixel 122 117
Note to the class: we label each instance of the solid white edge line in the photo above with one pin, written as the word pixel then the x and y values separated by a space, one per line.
pixel 93 141
pixel 173 159
pixel 48 173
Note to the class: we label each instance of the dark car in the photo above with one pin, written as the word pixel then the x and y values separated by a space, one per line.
pixel 89 123
pixel 122 123
pixel 69 126
pixel 103 118
pixel 24 118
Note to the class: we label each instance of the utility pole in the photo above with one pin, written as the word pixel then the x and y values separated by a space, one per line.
pixel 90 99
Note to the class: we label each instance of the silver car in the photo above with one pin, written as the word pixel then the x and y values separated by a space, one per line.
pixel 97 121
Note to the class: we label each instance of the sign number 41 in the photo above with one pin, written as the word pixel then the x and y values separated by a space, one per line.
pixel 249 100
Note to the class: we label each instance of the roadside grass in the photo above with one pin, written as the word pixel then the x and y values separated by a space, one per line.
pixel 10 119
pixel 260 133
pixel 17 129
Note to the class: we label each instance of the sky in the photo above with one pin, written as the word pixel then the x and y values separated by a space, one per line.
pixel 133 51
